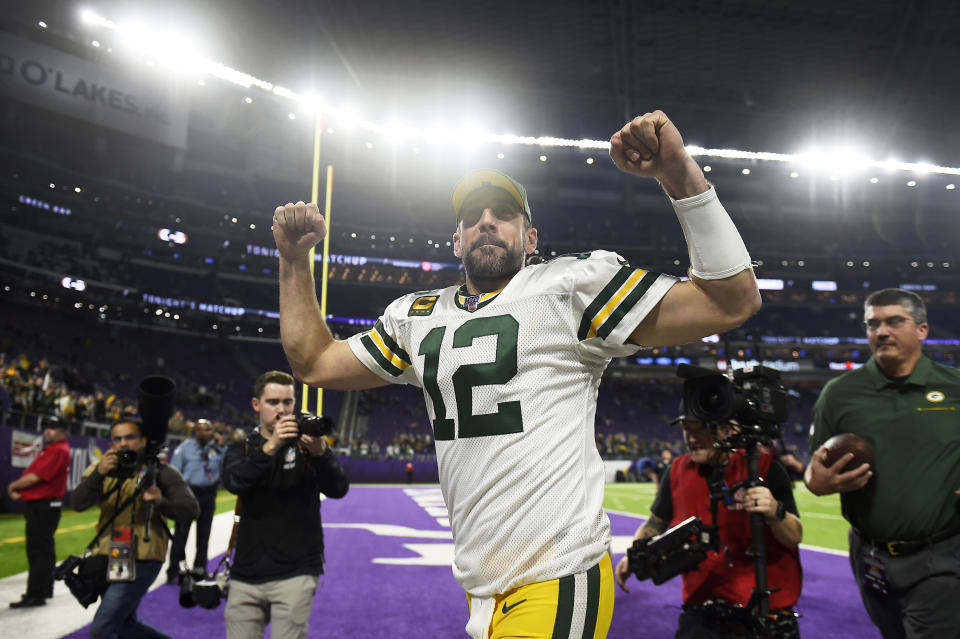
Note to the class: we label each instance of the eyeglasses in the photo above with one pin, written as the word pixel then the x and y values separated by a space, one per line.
pixel 894 322
pixel 116 439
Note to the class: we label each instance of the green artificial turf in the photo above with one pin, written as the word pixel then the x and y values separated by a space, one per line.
pixel 823 525
pixel 74 533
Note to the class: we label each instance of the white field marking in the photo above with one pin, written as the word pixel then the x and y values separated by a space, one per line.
pixel 428 555
pixel 431 500
pixel 63 615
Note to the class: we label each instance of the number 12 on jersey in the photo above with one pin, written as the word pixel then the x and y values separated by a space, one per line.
pixel 508 418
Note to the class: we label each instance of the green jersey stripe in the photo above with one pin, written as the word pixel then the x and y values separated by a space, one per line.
pixel 391 344
pixel 639 290
pixel 601 300
pixel 385 364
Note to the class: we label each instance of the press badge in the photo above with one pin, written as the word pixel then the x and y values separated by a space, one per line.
pixel 122 560
pixel 874 573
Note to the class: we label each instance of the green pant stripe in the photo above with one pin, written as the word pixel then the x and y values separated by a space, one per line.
pixel 593 602
pixel 561 625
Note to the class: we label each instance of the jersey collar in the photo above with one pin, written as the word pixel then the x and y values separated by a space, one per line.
pixel 471 303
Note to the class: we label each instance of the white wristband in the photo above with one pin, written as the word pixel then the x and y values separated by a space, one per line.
pixel 715 246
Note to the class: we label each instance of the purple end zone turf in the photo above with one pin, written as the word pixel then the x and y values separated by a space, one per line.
pixel 358 598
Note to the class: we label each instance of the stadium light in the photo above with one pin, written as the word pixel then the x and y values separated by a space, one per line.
pixel 175 50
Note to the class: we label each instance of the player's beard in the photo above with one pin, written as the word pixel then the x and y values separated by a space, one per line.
pixel 489 265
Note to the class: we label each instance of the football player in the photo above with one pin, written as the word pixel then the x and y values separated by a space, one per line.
pixel 509 364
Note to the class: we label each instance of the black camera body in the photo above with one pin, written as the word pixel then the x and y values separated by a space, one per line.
pixel 676 551
pixel 314 425
pixel 754 397
pixel 86 577
pixel 128 462
pixel 206 593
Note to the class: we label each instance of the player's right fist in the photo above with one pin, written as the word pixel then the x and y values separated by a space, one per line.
pixel 297 228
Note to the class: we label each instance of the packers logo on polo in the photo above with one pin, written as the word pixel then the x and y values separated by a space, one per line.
pixel 423 305
pixel 935 396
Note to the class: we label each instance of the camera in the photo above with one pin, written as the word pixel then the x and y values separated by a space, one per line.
pixel 86 577
pixel 314 425
pixel 206 593
pixel 677 550
pixel 128 462
pixel 754 397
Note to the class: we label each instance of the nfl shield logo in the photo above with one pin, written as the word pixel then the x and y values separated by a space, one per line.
pixel 472 302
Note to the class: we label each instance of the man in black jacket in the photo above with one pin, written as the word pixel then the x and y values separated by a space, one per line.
pixel 278 475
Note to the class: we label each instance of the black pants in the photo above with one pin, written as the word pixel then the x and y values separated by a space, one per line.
pixel 923 594
pixel 207 497
pixel 42 518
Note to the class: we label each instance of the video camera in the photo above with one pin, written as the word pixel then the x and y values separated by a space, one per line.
pixel 754 397
pixel 675 551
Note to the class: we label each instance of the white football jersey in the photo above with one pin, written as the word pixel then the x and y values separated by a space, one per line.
pixel 510 380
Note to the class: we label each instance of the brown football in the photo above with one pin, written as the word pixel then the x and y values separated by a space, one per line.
pixel 839 445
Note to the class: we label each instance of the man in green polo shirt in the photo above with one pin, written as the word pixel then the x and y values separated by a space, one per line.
pixel 905 510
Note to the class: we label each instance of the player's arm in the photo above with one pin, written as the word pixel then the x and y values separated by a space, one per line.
pixel 315 356
pixel 722 292
pixel 697 308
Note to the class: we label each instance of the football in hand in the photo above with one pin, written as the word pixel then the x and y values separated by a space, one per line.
pixel 839 445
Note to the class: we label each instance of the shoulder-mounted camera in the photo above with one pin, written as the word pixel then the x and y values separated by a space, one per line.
pixel 752 396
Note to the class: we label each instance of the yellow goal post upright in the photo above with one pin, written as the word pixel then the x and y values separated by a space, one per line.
pixel 314 194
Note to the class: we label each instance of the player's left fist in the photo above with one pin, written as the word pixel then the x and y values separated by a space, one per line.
pixel 651 146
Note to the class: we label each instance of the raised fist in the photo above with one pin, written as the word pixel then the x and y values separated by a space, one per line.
pixel 297 228
pixel 651 146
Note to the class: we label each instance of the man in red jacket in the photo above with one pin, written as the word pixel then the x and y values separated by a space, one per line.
pixel 42 487
pixel 724 581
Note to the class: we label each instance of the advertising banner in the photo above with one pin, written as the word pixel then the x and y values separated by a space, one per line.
pixel 129 97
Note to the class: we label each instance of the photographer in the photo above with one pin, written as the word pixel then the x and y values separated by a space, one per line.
pixel 199 460
pixel 278 475
pixel 114 482
pixel 716 591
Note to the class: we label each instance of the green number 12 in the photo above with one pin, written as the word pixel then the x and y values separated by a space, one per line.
pixel 508 418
